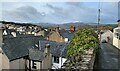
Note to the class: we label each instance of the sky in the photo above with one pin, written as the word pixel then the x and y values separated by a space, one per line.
pixel 58 12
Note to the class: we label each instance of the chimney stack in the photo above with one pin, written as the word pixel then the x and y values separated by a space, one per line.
pixel 72 28
pixel 47 49
pixel 57 29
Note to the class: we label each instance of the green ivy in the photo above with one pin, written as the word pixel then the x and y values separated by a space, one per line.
pixel 84 39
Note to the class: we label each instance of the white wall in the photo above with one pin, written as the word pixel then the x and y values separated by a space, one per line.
pixel 38 65
pixel 116 42
pixel 58 65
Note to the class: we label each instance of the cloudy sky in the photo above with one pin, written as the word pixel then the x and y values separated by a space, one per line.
pixel 58 12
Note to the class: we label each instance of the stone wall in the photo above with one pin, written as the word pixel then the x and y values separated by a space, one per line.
pixel 81 61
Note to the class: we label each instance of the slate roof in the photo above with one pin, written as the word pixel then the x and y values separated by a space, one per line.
pixel 17 47
pixel 56 48
pixel 35 54
pixel 66 34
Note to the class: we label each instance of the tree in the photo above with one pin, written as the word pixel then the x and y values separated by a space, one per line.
pixel 83 39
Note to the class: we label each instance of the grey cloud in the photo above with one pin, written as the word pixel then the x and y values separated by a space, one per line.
pixel 75 11
pixel 119 10
pixel 75 3
pixel 23 14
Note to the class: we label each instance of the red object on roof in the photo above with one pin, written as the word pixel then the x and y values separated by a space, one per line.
pixel 72 28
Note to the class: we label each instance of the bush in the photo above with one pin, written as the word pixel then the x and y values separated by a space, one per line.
pixel 83 39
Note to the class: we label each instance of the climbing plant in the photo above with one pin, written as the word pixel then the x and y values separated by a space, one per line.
pixel 83 39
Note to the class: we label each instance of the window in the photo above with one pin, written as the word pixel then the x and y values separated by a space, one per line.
pixel 56 59
pixel 34 65
pixel 117 35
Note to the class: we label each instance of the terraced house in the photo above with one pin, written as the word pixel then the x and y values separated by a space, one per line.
pixel 24 53
pixel 58 35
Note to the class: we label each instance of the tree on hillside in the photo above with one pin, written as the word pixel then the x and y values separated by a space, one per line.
pixel 84 39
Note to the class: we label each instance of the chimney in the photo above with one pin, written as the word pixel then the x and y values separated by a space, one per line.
pixel 47 49
pixel 57 29
pixel 72 28
pixel 40 47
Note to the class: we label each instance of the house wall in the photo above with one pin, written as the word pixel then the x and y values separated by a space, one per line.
pixel 0 59
pixel 116 42
pixel 47 62
pixel 58 65
pixel 107 34
pixel 55 36
pixel 4 61
pixel 119 44
pixel 38 65
pixel 17 64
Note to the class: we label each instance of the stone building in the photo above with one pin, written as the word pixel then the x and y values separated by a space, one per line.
pixel 60 35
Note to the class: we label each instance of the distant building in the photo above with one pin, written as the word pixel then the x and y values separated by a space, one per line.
pixel 60 35
pixel 40 33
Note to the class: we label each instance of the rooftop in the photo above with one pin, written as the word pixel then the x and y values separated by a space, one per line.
pixel 17 47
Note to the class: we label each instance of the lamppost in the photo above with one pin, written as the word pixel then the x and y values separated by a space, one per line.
pixel 99 31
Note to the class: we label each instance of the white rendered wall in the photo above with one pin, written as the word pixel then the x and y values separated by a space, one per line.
pixel 58 65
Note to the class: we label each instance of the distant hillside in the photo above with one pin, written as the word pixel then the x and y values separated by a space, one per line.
pixel 65 25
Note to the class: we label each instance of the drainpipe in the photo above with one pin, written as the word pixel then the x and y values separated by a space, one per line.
pixel 41 65
pixel 29 65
